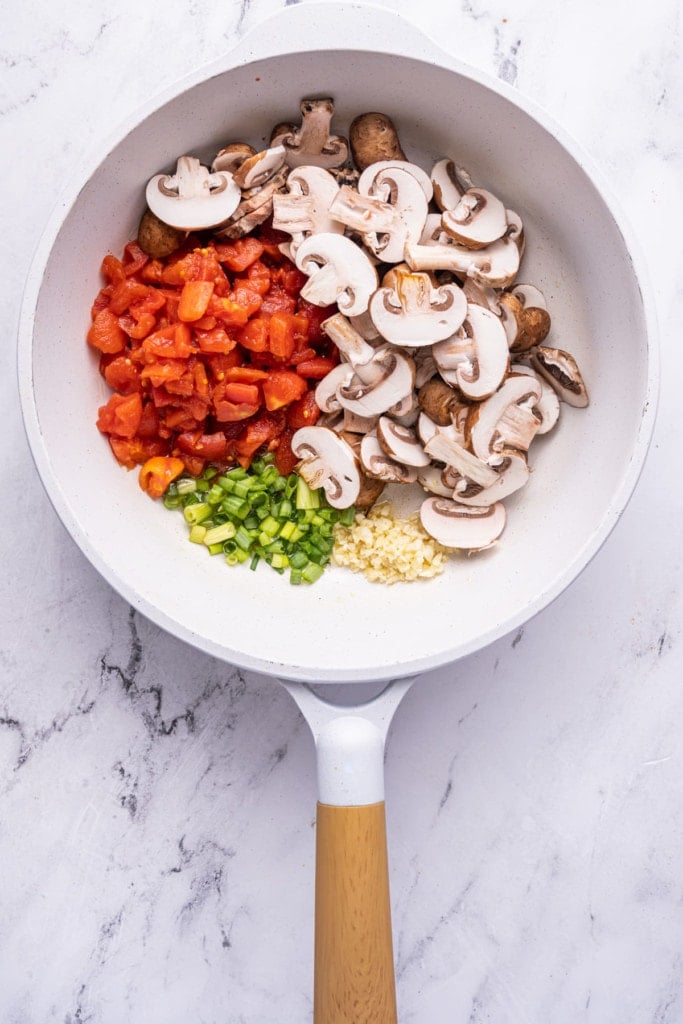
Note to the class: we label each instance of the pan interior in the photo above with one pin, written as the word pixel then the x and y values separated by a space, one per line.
pixel 345 627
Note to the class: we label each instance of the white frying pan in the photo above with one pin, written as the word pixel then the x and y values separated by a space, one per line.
pixel 344 629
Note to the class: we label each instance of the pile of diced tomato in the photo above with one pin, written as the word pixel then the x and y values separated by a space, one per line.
pixel 211 353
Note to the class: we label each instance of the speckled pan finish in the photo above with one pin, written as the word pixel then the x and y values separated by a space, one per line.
pixel 579 252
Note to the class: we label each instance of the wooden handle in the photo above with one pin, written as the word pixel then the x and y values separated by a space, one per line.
pixel 354 965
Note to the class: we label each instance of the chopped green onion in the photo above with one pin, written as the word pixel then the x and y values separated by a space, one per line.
pixel 219 534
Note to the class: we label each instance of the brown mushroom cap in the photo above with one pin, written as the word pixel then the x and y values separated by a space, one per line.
pixel 373 137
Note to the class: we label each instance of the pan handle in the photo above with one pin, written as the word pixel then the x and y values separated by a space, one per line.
pixel 354 964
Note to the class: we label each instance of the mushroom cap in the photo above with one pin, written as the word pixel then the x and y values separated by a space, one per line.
pixel 500 420
pixel 468 528
pixel 338 271
pixel 373 137
pixel 231 156
pixel 448 188
pixel 312 142
pixel 512 475
pixel 193 198
pixel 326 390
pixel 477 354
pixel 328 462
pixel 548 406
pixel 374 181
pixel 305 208
pixel 257 169
pixel 530 295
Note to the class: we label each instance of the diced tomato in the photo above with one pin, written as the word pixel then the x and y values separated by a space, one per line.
pixel 105 333
pixel 247 374
pixel 158 472
pixel 240 254
pixel 134 258
pixel 219 365
pixel 197 265
pixel 229 411
pixel 121 374
pixel 134 451
pixel 317 368
pixel 194 300
pixel 213 447
pixel 254 335
pixel 258 433
pixel 121 415
pixel 172 342
pixel 125 293
pixel 193 464
pixel 315 316
pixel 285 459
pixel 239 392
pixel 112 269
pixel 257 277
pixel 164 371
pixel 277 300
pixel 282 387
pixel 286 332
pixel 303 412
pixel 271 238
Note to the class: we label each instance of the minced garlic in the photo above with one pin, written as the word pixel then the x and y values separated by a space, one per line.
pixel 388 549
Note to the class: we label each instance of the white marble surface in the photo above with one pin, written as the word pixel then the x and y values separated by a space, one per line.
pixel 156 806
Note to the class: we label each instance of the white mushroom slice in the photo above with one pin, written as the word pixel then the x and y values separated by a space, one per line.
pixel 327 461
pixel 482 295
pixel 427 428
pixel 468 528
pixel 448 188
pixel 505 420
pixel 515 230
pixel 231 156
pixel 530 295
pixel 375 182
pixel 312 142
pixel 444 449
pixel 477 220
pixel 350 343
pixel 374 397
pixel 193 198
pixel 414 313
pixel 384 224
pixel 362 323
pixel 477 354
pixel 547 409
pixel 401 443
pixel 255 207
pixel 513 474
pixel 377 463
pixel 432 232
pixel 429 478
pixel 305 209
pixel 256 170
pixel 425 367
pixel 326 390
pixel 338 271
pixel 559 368
pixel 407 411
pixel 495 265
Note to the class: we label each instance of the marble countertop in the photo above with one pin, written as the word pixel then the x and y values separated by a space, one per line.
pixel 157 806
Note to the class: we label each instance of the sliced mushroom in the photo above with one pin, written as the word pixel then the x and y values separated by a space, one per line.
pixel 312 142
pixel 513 474
pixel 444 449
pixel 429 478
pixel 530 295
pixel 401 443
pixel 547 409
pixel 304 210
pixel 338 271
pixel 376 180
pixel 373 137
pixel 255 208
pixel 515 230
pixel 326 390
pixel 559 368
pixel 495 265
pixel 505 420
pixel 193 198
pixel 231 156
pixel 354 423
pixel 427 428
pixel 385 224
pixel 482 295
pixel 476 355
pixel 327 461
pixel 467 528
pixel 353 347
pixel 259 168
pixel 477 220
pixel 414 313
pixel 447 184
pixel 374 397
pixel 377 463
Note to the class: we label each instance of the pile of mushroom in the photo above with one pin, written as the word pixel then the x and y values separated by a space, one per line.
pixel 445 378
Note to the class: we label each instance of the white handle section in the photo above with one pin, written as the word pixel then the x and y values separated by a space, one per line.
pixel 338 26
pixel 350 762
